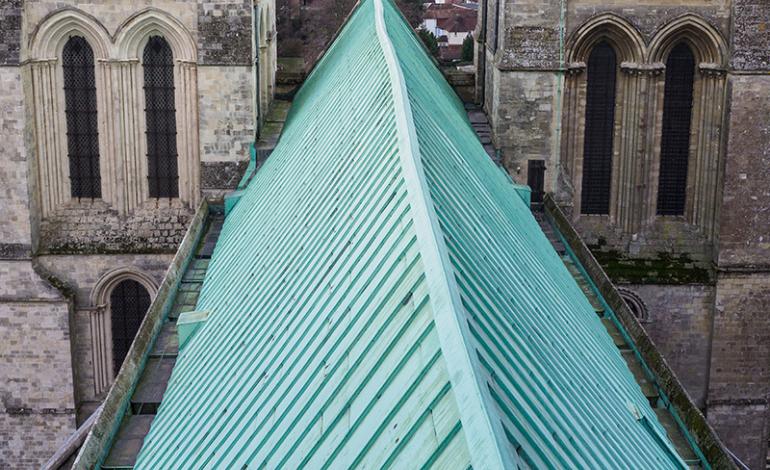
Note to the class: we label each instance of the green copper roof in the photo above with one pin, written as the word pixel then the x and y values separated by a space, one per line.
pixel 381 296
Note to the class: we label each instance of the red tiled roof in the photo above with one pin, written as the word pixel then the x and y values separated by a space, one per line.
pixel 440 11
pixel 458 23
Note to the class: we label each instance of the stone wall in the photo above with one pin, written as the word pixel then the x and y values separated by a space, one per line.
pixel 680 323
pixel 751 35
pixel 37 401
pixel 15 234
pixel 111 14
pixel 523 122
pixel 227 99
pixel 29 440
pixel 649 15
pixel 530 33
pixel 156 227
pixel 740 377
pixel 10 32
pixel 226 102
pixel 744 236
pixel 224 32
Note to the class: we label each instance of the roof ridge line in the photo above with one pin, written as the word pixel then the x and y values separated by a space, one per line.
pixel 483 433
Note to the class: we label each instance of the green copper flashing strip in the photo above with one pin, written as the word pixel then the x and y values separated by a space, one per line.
pixel 250 168
pixel 232 198
pixel 188 323
pixel 484 433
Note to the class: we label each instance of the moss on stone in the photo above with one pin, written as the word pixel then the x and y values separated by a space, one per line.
pixel 665 268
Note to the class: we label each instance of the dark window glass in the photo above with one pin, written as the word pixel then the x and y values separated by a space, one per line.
pixel 675 139
pixel 600 121
pixel 161 118
pixel 80 109
pixel 129 302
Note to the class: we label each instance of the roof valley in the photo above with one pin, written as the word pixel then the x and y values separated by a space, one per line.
pixel 484 433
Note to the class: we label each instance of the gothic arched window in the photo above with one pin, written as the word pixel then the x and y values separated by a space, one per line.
pixel 129 301
pixel 80 109
pixel 160 113
pixel 675 137
pixel 601 73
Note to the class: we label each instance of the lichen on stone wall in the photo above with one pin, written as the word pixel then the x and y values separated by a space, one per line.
pixel 99 229
pixel 664 268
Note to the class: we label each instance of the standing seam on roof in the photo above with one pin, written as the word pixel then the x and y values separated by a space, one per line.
pixel 470 391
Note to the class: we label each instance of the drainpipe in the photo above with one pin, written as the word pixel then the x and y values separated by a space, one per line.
pixel 257 90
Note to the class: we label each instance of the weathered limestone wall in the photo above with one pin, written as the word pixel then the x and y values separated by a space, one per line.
pixel 738 387
pixel 156 227
pixel 524 122
pixel 226 92
pixel 680 323
pixel 224 32
pixel 28 441
pixel 740 376
pixel 744 236
pixel 37 401
pixel 649 15
pixel 522 83
pixel 15 237
pixel 227 101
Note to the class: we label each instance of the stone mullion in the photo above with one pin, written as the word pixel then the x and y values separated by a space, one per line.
pixel 697 144
pixel 653 114
pixel 50 137
pixel 186 79
pixel 628 161
pixel 709 145
pixel 109 164
pixel 641 163
pixel 568 124
pixel 620 158
pixel 100 349
pixel 573 124
pixel 130 145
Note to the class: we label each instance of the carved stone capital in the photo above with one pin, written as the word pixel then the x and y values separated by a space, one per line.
pixel 118 61
pixel 575 68
pixel 634 68
pixel 42 61
pixel 711 70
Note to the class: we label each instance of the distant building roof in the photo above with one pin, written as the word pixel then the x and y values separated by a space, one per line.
pixel 458 23
pixel 382 296
pixel 441 11
pixel 452 18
